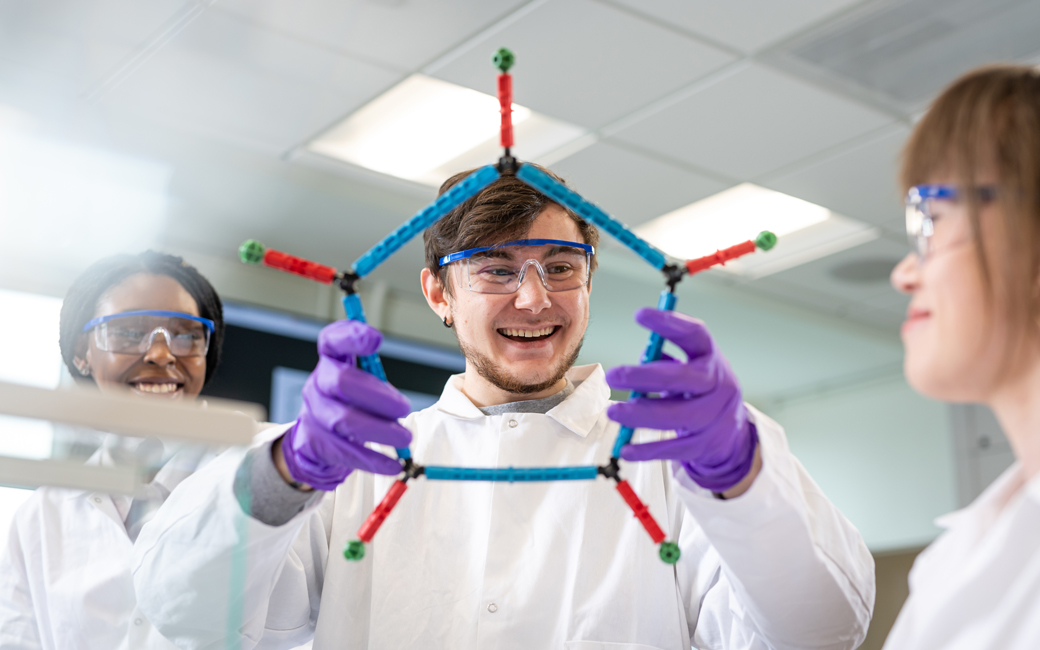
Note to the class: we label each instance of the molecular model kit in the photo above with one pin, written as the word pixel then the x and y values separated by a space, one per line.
pixel 254 252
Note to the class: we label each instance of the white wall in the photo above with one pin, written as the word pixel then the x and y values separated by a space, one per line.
pixel 982 450
pixel 881 453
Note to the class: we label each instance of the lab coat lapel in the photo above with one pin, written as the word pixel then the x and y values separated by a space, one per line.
pixel 984 543
pixel 580 412
pixel 102 502
pixel 454 402
pixel 105 505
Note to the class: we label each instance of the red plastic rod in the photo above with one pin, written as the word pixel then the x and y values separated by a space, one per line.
pixel 300 266
pixel 505 101
pixel 641 511
pixel 378 516
pixel 720 257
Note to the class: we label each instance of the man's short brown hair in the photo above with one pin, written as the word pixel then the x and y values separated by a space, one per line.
pixel 502 211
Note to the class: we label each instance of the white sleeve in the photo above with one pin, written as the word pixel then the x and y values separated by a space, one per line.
pixel 794 573
pixel 205 572
pixel 18 627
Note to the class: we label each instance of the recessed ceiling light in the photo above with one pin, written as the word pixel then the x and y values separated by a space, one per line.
pixel 807 231
pixel 424 129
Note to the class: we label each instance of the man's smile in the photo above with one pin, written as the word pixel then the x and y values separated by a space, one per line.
pixel 528 334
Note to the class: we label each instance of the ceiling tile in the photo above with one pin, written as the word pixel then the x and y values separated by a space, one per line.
pixel 747 25
pixel 225 78
pixel 77 43
pixel 405 35
pixel 584 62
pixel 751 122
pixel 904 53
pixel 33 92
pixel 859 181
pixel 632 187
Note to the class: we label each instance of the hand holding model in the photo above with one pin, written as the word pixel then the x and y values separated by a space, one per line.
pixel 343 408
pixel 700 399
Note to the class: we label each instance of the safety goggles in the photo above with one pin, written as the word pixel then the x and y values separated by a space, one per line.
pixel 926 203
pixel 561 265
pixel 133 332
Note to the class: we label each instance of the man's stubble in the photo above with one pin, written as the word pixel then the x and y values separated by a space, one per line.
pixel 502 380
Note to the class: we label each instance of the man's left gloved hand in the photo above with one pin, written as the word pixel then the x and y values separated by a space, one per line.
pixel 700 399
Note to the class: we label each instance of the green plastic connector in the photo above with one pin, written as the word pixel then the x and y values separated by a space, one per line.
pixel 503 59
pixel 765 240
pixel 355 550
pixel 669 552
pixel 251 251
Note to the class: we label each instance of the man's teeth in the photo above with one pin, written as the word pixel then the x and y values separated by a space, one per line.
pixel 545 331
pixel 155 388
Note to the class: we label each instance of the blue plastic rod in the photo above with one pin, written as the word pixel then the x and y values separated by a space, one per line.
pixel 444 204
pixel 371 363
pixel 511 474
pixel 652 353
pixel 545 184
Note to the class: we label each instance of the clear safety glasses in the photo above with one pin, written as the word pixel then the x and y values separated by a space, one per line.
pixel 561 265
pixel 926 203
pixel 133 332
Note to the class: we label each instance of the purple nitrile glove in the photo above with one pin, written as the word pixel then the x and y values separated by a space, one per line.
pixel 343 408
pixel 700 399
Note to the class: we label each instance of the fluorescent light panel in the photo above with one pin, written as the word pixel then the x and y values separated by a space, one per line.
pixel 806 231
pixel 425 129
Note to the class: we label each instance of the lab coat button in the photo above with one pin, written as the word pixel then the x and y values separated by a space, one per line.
pixel 138 621
pixel 512 424
pixel 492 608
pixel 97 499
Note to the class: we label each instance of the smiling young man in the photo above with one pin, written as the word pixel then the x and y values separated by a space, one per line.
pixel 767 561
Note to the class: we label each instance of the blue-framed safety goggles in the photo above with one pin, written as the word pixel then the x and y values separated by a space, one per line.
pixel 561 265
pixel 920 210
pixel 133 332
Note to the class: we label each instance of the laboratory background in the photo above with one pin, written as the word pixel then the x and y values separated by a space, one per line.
pixel 317 126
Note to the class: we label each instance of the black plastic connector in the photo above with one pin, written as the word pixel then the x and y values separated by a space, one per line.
pixel 347 279
pixel 611 469
pixel 507 164
pixel 673 273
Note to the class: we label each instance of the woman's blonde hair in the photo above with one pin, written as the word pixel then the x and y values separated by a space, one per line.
pixel 985 128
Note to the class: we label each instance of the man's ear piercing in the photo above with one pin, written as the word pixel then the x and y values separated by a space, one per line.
pixel 446 323
pixel 84 370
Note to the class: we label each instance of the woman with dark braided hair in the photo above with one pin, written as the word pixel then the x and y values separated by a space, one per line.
pixel 148 324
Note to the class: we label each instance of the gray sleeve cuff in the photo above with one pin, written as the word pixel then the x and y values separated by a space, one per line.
pixel 262 492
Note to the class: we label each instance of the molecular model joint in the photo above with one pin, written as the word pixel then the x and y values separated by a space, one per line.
pixel 674 271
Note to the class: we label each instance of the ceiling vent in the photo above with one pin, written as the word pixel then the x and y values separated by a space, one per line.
pixel 904 53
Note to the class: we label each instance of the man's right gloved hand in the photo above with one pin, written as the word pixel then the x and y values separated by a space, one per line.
pixel 343 408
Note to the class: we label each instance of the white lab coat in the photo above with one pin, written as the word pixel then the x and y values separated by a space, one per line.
pixel 65 578
pixel 464 565
pixel 977 587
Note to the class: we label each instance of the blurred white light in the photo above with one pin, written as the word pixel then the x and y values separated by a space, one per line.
pixel 29 354
pixel 425 129
pixel 806 231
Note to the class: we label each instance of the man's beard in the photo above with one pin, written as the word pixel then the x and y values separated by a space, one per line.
pixel 501 380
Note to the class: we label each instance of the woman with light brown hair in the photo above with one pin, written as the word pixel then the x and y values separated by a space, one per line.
pixel 972 174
